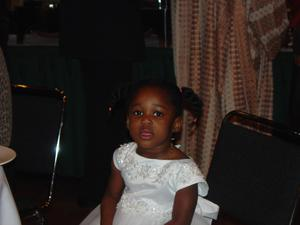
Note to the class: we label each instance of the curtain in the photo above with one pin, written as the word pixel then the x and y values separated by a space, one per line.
pixel 224 51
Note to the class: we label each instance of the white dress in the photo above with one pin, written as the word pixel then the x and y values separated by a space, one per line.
pixel 150 188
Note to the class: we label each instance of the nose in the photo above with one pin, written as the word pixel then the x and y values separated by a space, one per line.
pixel 146 119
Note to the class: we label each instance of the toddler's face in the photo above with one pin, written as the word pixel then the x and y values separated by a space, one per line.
pixel 151 118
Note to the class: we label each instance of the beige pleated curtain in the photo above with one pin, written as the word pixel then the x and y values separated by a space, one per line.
pixel 223 49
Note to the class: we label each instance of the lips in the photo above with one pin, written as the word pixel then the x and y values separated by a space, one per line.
pixel 146 134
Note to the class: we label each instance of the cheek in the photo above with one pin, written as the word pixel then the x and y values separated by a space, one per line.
pixel 132 125
pixel 133 130
pixel 162 127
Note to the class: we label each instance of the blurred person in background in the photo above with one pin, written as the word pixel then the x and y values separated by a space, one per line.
pixel 4 24
pixel 5 104
pixel 106 37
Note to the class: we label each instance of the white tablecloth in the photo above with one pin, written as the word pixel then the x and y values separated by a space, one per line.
pixel 8 211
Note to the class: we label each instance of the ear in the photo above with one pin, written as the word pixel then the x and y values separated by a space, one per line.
pixel 177 125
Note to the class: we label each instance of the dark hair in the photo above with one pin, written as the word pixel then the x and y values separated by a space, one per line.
pixel 184 98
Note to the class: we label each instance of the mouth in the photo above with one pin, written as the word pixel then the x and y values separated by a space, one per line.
pixel 146 134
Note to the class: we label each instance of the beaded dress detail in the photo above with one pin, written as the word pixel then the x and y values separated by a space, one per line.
pixel 150 188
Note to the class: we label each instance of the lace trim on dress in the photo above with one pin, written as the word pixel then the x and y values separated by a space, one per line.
pixel 131 205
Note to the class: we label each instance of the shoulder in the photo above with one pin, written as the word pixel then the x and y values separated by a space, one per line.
pixel 123 153
pixel 188 167
pixel 125 149
pixel 176 153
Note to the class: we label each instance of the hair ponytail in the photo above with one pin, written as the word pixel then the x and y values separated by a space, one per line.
pixel 118 98
pixel 192 103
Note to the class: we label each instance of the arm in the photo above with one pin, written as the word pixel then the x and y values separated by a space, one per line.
pixel 112 196
pixel 184 206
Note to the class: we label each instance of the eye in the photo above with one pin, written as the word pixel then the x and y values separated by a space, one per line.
pixel 137 113
pixel 158 114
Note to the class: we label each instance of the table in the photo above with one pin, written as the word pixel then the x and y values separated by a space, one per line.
pixel 8 211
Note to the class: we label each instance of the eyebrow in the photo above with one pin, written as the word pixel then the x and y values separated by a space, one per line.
pixel 161 106
pixel 156 105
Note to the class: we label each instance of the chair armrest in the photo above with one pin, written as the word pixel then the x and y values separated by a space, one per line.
pixel 226 219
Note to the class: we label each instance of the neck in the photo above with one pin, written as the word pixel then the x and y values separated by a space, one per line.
pixel 162 152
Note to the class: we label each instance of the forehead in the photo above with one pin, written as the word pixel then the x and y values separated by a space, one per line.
pixel 147 93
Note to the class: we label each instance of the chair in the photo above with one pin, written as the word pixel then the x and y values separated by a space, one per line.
pixel 37 127
pixel 255 171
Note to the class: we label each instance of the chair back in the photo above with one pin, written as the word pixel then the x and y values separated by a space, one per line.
pixel 255 171
pixel 38 115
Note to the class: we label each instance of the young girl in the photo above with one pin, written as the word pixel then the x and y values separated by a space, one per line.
pixel 152 181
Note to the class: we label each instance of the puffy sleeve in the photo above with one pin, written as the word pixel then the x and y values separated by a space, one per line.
pixel 188 174
pixel 122 154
